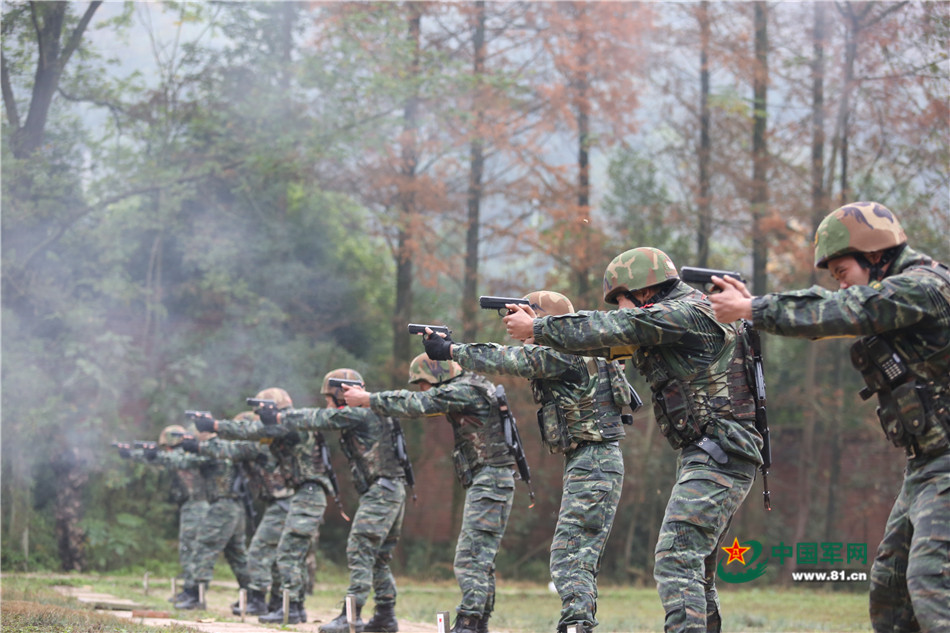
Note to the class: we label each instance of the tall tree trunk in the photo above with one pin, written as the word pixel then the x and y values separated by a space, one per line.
pixel 582 270
pixel 703 202
pixel 407 207
pixel 48 17
pixel 760 157
pixel 475 174
pixel 806 466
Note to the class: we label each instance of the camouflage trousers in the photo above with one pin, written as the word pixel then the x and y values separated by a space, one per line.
pixel 221 531
pixel 593 478
pixel 190 515
pixel 262 552
pixel 373 537
pixel 704 499
pixel 301 526
pixel 910 576
pixel 487 507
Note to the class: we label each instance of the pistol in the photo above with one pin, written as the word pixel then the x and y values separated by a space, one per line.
pixel 194 415
pixel 337 383
pixel 704 276
pixel 498 303
pixel 420 328
pixel 259 403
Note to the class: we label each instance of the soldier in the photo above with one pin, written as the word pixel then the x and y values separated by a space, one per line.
pixel 482 463
pixel 271 487
pixel 697 369
pixel 300 457
pixel 581 400
pixel 189 490
pixel 898 301
pixel 367 442
pixel 223 528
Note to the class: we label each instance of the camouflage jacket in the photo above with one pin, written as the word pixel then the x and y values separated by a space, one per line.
pixel 189 482
pixel 366 440
pixel 585 394
pixel 909 308
pixel 468 403
pixel 297 452
pixel 266 480
pixel 228 458
pixel 677 342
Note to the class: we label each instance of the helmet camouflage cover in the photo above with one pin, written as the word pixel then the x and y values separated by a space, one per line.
pixel 343 374
pixel 549 303
pixel 858 227
pixel 434 372
pixel 636 269
pixel 278 395
pixel 172 435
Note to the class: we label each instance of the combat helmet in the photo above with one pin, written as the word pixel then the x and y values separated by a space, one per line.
pixel 858 227
pixel 434 372
pixel 246 416
pixel 549 303
pixel 337 392
pixel 172 435
pixel 636 269
pixel 280 397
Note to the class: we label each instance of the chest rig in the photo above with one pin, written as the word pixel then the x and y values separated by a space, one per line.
pixel 370 457
pixel 568 418
pixel 686 404
pixel 910 379
pixel 478 442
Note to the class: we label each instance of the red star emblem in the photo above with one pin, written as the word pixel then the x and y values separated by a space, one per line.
pixel 736 552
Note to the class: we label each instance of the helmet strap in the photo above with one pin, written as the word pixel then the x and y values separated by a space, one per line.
pixel 876 271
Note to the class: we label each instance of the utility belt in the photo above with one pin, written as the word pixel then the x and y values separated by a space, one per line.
pixel 314 482
pixel 466 471
pixel 587 443
pixel 389 483
pixel 908 410
pixel 556 432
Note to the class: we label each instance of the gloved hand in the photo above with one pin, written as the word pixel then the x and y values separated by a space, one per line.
pixel 123 451
pixel 190 444
pixel 204 425
pixel 438 347
pixel 150 452
pixel 268 415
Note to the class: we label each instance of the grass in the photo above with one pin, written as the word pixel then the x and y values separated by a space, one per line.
pixel 30 604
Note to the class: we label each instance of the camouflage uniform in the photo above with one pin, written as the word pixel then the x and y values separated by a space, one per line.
pixel 697 373
pixel 484 468
pixel 366 440
pixel 223 529
pixel 910 310
pixel 267 484
pixel 298 454
pixel 581 402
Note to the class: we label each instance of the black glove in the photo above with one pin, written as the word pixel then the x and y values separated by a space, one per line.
pixel 268 415
pixel 150 452
pixel 124 451
pixel 438 348
pixel 190 444
pixel 204 425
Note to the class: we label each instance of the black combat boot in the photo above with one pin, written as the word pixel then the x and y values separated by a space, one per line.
pixel 275 602
pixel 295 615
pixel 178 597
pixel 255 604
pixel 339 624
pixel 383 620
pixel 190 601
pixel 466 624
pixel 570 627
pixel 483 623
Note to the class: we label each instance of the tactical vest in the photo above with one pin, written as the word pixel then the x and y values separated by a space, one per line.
pixel 369 463
pixel 568 418
pixel 686 406
pixel 478 442
pixel 911 382
pixel 267 481
pixel 221 476
pixel 298 454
